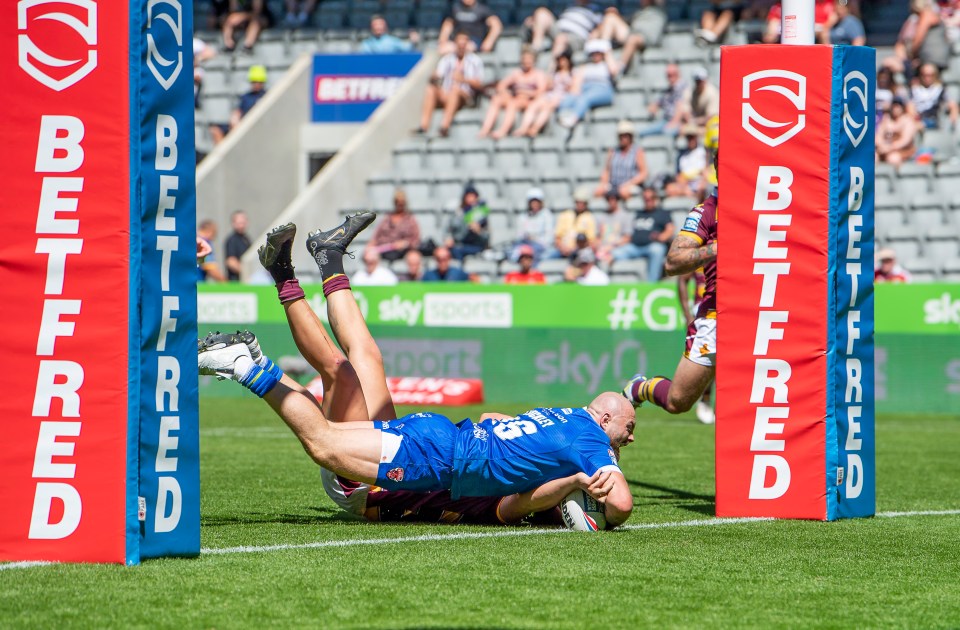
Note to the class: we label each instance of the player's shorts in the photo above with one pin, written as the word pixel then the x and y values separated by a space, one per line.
pixel 416 452
pixel 702 341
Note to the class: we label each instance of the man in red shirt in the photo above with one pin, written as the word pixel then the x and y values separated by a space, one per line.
pixel 526 274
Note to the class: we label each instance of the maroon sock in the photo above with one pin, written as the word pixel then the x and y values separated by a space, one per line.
pixel 335 283
pixel 660 391
pixel 289 290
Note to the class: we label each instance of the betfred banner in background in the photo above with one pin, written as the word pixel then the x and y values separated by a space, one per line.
pixel 75 272
pixel 795 283
pixel 348 88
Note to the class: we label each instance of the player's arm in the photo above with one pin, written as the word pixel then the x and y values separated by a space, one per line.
pixel 618 503
pixel 687 253
pixel 517 506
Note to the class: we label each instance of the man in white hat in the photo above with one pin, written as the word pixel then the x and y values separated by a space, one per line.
pixel 626 167
pixel 536 227
pixel 578 221
pixel 701 101
pixel 583 270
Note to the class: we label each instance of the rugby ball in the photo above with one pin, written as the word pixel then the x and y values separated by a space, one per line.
pixel 582 513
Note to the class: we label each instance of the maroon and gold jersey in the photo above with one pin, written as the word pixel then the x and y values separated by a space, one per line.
pixel 439 507
pixel 701 226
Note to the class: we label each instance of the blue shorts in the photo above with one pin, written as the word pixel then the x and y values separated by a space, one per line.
pixel 423 459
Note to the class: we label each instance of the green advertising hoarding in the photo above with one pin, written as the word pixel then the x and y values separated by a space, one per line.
pixel 561 344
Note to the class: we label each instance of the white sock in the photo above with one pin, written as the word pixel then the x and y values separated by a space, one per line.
pixel 241 367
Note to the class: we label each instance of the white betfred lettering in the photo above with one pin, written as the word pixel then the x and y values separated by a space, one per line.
pixel 763 427
pixel 168 184
pixel 48 447
pixel 854 391
pixel 51 326
pixel 168 381
pixel 853 333
pixel 167 245
pixel 766 234
pixel 166 158
pixel 168 494
pixel 781 477
pixel 771 273
pixel 51 203
pixel 853 270
pixel 854 476
pixel 57 250
pixel 773 189
pixel 853 442
pixel 166 462
pixel 854 223
pixel 168 323
pixel 766 331
pixel 59 152
pixel 66 391
pixel 762 381
pixel 855 194
pixel 40 526
pixel 853 377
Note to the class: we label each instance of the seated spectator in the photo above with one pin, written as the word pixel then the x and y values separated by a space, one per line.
pixel 887 90
pixel 614 227
pixel 538 112
pixel 455 84
pixel 950 14
pixel 700 102
pixel 474 18
pixel 625 169
pixel 896 135
pixel 692 172
pixel 922 39
pixel 414 267
pixel 570 31
pixel 236 245
pixel 201 53
pixel 252 15
pixel 381 41
pixel 514 94
pixel 373 273
pixel 592 84
pixel 645 29
pixel 652 231
pixel 583 270
pixel 257 76
pixel 821 15
pixel 467 230
pixel 928 96
pixel 887 269
pixel 667 108
pixel 844 27
pixel 526 274
pixel 578 221
pixel 715 21
pixel 398 232
pixel 298 13
pixel 536 228
pixel 219 9
pixel 444 271
pixel 207 268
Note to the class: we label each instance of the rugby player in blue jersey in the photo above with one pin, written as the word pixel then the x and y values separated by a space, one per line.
pixel 499 470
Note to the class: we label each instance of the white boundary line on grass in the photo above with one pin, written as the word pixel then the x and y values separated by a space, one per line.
pixel 514 533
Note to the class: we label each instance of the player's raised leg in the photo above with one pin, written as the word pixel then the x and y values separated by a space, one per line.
pixel 677 395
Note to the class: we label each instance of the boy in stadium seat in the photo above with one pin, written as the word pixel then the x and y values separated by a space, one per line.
pixel 355 388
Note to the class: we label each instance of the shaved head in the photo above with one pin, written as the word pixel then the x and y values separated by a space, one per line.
pixel 615 415
pixel 612 403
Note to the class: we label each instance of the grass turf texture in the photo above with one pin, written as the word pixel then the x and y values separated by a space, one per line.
pixel 259 488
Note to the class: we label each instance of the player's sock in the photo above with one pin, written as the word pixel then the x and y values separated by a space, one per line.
pixel 330 262
pixel 270 367
pixel 289 290
pixel 659 389
pixel 254 377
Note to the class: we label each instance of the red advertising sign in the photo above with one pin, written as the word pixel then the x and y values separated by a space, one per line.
pixel 64 280
pixel 773 281
pixel 426 391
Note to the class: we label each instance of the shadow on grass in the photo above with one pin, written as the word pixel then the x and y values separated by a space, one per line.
pixel 690 501
pixel 323 515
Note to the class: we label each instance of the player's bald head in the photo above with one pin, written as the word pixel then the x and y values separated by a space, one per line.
pixel 612 403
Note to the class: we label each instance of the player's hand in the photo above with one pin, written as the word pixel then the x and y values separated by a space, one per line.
pixel 599 485
pixel 203 249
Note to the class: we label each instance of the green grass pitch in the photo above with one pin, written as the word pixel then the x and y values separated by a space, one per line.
pixel 259 489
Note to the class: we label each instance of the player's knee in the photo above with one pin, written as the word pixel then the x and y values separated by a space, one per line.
pixel 681 404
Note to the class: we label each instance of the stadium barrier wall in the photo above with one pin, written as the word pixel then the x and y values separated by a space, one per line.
pixel 795 439
pixel 97 277
pixel 529 346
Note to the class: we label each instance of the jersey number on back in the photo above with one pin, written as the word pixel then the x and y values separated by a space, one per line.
pixel 514 429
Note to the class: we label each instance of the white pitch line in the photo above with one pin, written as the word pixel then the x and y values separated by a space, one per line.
pixel 514 533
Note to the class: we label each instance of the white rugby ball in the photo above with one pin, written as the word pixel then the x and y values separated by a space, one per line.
pixel 582 513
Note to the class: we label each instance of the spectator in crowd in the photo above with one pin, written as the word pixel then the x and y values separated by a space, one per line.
pixel 208 270
pixel 700 102
pixel 298 13
pixel 538 112
pixel 444 271
pixel 252 15
pixel 715 20
pixel 592 84
pixel 583 270
pixel 455 84
pixel 666 109
pixel 887 89
pixel 887 269
pixel 822 11
pixel 218 13
pixel 896 135
pixel 381 41
pixel 398 232
pixel 922 39
pixel 578 221
pixel 645 29
pixel 692 172
pixel 844 26
pixel 625 169
pixel 928 96
pixel 950 14
pixel 467 231
pixel 536 228
pixel 614 227
pixel 201 53
pixel 414 266
pixel 476 20
pixel 237 243
pixel 570 31
pixel 652 232
pixel 373 273
pixel 514 94
pixel 257 76
pixel 526 274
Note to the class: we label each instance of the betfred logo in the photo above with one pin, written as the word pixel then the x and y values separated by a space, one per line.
pixel 782 118
pixel 341 90
pixel 56 41
pixel 165 33
pixel 856 119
